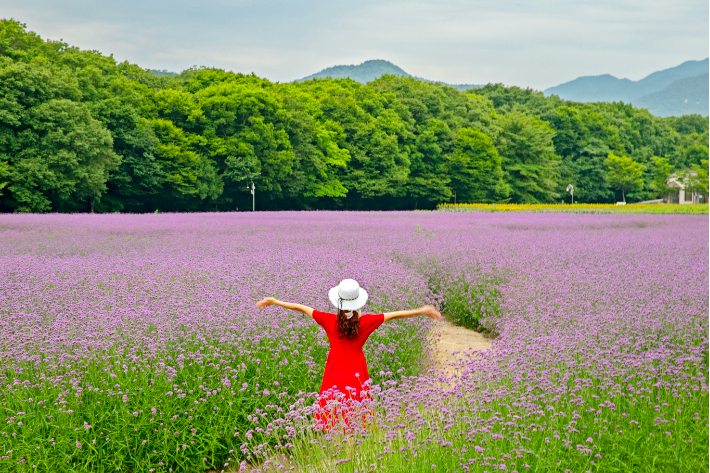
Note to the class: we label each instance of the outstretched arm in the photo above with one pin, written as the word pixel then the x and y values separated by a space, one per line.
pixel 287 305
pixel 428 310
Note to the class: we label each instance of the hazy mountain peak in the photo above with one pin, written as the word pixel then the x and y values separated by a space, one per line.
pixel 363 73
pixel 653 91
pixel 373 70
pixel 684 96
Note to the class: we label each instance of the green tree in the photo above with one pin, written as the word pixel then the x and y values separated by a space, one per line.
pixel 701 171
pixel 695 179
pixel 139 177
pixel 244 131
pixel 528 158
pixel 435 113
pixel 624 173
pixel 182 166
pixel 375 135
pixel 193 142
pixel 318 147
pixel 696 154
pixel 424 101
pixel 662 169
pixel 475 169
pixel 428 171
pixel 529 101
pixel 379 167
pixel 688 124
pixel 584 139
pixel 56 155
pixel 62 159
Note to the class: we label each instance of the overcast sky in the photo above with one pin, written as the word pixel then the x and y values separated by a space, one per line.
pixel 529 43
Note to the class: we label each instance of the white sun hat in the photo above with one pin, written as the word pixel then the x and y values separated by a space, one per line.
pixel 348 295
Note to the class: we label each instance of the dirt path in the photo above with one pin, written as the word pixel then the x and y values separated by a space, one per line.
pixel 450 343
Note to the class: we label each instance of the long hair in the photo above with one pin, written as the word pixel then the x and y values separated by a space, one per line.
pixel 348 328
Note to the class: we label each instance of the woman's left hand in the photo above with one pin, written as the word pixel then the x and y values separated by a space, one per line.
pixel 267 301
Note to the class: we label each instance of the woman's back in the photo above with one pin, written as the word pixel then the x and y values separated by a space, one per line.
pixel 346 366
pixel 368 324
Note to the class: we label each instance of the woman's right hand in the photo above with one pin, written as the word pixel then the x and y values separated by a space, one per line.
pixel 430 311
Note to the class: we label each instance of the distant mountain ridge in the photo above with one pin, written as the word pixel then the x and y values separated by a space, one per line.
pixel 363 73
pixel 680 90
pixel 163 73
pixel 373 70
pixel 670 92
pixel 681 97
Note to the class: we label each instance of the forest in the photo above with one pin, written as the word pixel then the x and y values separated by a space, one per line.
pixel 80 132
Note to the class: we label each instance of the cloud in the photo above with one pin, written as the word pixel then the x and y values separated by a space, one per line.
pixel 528 43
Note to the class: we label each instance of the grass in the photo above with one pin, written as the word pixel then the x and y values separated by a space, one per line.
pixel 577 436
pixel 470 300
pixel 701 209
pixel 188 422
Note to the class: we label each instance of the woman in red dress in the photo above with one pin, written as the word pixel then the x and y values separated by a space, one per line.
pixel 345 386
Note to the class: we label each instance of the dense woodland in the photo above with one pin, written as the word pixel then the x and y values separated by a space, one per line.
pixel 79 132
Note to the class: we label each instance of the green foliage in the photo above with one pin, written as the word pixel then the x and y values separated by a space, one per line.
pixel 688 124
pixel 701 173
pixel 528 158
pixel 629 437
pixel 583 138
pixel 662 170
pixel 587 133
pixel 468 300
pixel 130 139
pixel 696 179
pixel 624 174
pixel 55 155
pixel 476 174
pixel 435 114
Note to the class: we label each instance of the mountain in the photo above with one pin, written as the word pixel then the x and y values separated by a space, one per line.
pixel 658 80
pixel 372 70
pixel 163 72
pixel 607 88
pixel 363 73
pixel 681 97
pixel 604 88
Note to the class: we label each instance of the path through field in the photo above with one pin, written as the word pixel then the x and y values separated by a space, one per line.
pixel 450 341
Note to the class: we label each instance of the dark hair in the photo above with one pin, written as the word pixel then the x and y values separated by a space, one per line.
pixel 348 328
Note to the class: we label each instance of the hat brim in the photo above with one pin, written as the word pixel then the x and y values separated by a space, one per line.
pixel 351 304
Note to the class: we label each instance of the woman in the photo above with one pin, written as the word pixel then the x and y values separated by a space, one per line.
pixel 345 381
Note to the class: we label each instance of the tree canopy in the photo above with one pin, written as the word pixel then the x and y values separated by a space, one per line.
pixel 625 174
pixel 80 132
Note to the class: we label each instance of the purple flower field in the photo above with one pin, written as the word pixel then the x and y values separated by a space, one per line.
pixel 131 342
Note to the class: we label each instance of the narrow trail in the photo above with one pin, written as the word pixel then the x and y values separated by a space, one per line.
pixel 450 343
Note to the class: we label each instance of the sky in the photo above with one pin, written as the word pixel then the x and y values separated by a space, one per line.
pixel 528 43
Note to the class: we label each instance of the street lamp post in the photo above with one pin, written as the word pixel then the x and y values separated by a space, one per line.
pixel 570 189
pixel 253 195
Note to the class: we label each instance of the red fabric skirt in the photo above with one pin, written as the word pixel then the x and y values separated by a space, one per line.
pixel 344 412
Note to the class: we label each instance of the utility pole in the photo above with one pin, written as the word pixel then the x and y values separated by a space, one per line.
pixel 253 195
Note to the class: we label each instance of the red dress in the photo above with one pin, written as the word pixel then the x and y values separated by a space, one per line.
pixel 344 381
